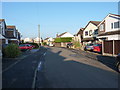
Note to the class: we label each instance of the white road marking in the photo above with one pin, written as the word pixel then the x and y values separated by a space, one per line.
pixel 44 53
pixel 34 79
pixel 35 74
pixel 39 66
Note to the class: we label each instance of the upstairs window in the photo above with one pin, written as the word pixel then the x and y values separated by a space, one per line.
pixel 102 27
pixel 116 25
pixel 86 33
pixel 112 25
pixel 96 31
pixel 90 32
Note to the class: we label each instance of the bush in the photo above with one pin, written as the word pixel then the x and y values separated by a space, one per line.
pixel 11 51
pixel 76 44
pixel 44 43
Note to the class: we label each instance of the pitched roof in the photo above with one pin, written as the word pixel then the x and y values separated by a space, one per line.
pixel 95 22
pixel 62 34
pixel 2 19
pixel 46 38
pixel 80 31
pixel 107 16
pixel 115 15
pixel 11 27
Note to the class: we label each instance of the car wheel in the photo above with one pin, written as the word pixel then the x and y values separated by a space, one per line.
pixel 118 67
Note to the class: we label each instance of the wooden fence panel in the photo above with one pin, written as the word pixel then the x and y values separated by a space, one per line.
pixel 117 46
pixel 108 47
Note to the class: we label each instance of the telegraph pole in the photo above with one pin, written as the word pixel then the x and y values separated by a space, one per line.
pixel 39 34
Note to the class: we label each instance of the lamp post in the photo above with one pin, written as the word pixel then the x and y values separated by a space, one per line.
pixel 39 34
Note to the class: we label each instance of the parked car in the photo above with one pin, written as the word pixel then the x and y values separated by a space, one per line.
pixel 25 47
pixel 69 45
pixel 118 62
pixel 51 45
pixel 33 46
pixel 97 48
pixel 89 47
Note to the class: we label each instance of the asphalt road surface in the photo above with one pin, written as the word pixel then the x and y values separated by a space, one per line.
pixel 22 73
pixel 53 67
pixel 66 69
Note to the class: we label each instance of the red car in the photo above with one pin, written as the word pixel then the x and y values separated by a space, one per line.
pixel 25 46
pixel 97 48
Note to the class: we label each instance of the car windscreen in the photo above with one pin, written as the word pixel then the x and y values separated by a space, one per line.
pixel 22 45
pixel 97 45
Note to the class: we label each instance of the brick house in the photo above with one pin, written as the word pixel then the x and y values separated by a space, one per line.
pixel 3 39
pixel 12 35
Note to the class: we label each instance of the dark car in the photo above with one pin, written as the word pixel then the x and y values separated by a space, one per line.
pixel 89 47
pixel 118 62
pixel 69 45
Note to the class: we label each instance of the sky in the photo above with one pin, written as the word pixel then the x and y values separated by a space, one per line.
pixel 54 17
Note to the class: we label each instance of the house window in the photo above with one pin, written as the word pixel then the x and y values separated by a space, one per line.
pixel 90 32
pixel 10 29
pixel 116 25
pixel 101 27
pixel 96 31
pixel 111 25
pixel 86 33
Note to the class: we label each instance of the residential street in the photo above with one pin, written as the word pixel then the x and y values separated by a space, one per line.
pixel 59 68
pixel 21 73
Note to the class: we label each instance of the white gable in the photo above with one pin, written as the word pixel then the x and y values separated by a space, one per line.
pixel 67 35
pixel 88 28
pixel 110 18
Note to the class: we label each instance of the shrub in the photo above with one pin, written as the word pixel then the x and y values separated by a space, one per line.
pixel 44 43
pixel 11 51
pixel 76 44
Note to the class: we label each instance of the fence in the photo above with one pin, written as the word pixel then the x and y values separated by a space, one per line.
pixel 111 47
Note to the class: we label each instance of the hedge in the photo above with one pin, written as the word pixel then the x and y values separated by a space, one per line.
pixel 67 39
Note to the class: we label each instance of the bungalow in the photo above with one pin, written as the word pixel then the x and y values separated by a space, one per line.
pixel 49 41
pixel 109 34
pixel 29 40
pixel 37 40
pixel 12 34
pixel 63 39
pixel 90 32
